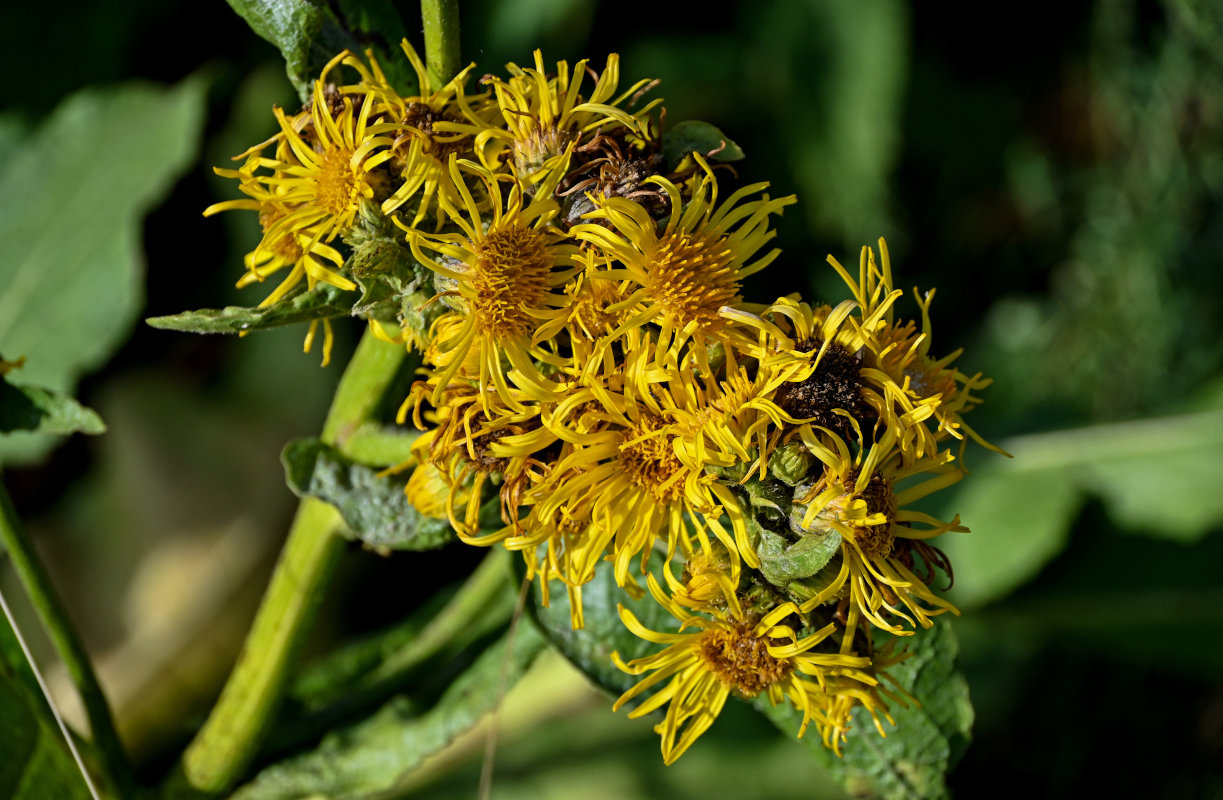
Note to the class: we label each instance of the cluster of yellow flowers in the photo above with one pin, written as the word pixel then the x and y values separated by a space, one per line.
pixel 589 360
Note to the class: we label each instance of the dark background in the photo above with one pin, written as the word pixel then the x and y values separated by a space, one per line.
pixel 1056 170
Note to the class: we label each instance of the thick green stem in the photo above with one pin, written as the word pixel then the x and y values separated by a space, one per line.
pixel 441 22
pixel 67 644
pixel 231 736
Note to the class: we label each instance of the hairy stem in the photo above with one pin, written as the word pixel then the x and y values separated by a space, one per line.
pixel 231 736
pixel 68 645
pixel 441 22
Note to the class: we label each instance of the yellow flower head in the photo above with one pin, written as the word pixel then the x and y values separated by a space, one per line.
pixel 477 442
pixel 620 478
pixel 425 131
pixel 918 389
pixel 745 655
pixel 864 499
pixel 311 189
pixel 503 271
pixel 685 274
pixel 545 117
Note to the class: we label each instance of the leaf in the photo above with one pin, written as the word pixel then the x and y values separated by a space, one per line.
pixel 373 755
pixel 35 763
pixel 912 761
pixel 1156 476
pixel 782 562
pixel 1019 522
pixel 374 507
pixel 380 446
pixel 322 302
pixel 1160 476
pixel 590 648
pixel 692 136
pixel 30 408
pixel 309 33
pixel 71 199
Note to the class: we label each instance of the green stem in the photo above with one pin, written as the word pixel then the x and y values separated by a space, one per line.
pixel 68 645
pixel 441 22
pixel 230 738
pixel 473 600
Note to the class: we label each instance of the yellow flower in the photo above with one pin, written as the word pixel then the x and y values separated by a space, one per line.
pixel 426 130
pixel 472 448
pixel 544 118
pixel 862 499
pixel 686 274
pixel 311 189
pixel 745 655
pixel 919 386
pixel 505 273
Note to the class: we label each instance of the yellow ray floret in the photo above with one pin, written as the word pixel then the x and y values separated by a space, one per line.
pixel 504 271
pixel 747 656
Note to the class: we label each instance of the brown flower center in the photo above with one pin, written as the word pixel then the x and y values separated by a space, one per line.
pixel 876 540
pixel 836 383
pixel 650 462
pixel 741 659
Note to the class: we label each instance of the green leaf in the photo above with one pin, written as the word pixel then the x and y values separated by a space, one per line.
pixel 1157 476
pixel 380 446
pixel 72 196
pixel 782 562
pixel 309 33
pixel 373 506
pixel 36 763
pixel 1019 522
pixel 373 755
pixel 912 761
pixel 590 648
pixel 322 302
pixel 692 136
pixel 30 408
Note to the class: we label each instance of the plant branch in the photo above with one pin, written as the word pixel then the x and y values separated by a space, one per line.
pixel 441 23
pixel 231 736
pixel 68 645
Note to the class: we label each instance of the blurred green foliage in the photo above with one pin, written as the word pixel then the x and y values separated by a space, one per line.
pixel 1061 185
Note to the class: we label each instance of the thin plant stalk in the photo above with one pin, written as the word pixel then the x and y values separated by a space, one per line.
pixel 68 646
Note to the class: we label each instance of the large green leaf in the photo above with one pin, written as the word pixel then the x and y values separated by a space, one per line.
pixel 1019 521
pixel 322 302
pixel 912 761
pixel 590 648
pixel 35 763
pixel 1157 477
pixel 372 756
pixel 31 408
pixel 309 33
pixel 373 505
pixel 71 199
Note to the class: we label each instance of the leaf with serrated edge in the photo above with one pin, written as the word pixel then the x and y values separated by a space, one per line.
pixel 373 506
pixel 912 761
pixel 373 755
pixel 322 302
